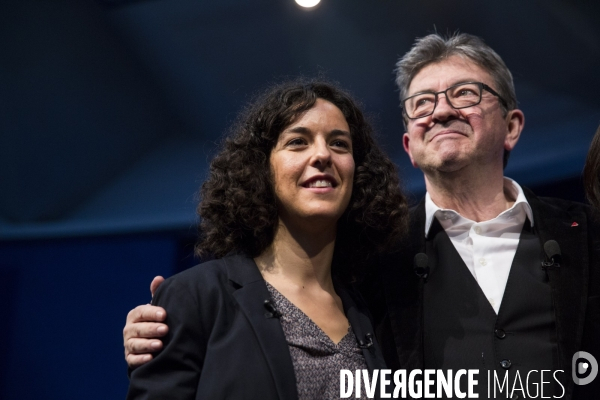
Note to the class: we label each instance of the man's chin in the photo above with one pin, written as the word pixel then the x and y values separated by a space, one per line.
pixel 445 165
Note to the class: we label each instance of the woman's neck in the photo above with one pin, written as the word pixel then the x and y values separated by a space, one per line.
pixel 298 258
pixel 298 265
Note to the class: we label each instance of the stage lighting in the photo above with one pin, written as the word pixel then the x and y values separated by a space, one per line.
pixel 308 3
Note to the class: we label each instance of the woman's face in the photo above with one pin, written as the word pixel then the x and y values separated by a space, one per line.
pixel 313 166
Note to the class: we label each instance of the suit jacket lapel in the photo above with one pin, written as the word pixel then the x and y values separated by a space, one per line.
pixel 251 294
pixel 569 282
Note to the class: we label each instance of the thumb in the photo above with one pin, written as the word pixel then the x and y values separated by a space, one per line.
pixel 156 283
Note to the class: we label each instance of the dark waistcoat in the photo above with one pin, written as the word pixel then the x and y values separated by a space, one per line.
pixel 462 330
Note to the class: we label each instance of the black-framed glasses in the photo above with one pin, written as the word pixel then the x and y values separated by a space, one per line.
pixel 459 96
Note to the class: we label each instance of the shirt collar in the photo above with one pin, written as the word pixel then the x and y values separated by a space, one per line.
pixel 431 209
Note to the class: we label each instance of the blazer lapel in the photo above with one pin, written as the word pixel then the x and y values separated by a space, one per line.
pixel 362 328
pixel 250 295
pixel 569 282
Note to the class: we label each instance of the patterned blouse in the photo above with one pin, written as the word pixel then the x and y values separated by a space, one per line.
pixel 317 360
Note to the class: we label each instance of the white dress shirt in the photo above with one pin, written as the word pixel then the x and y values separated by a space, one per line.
pixel 487 248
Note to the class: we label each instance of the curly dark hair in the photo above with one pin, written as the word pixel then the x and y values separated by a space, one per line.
pixel 238 209
pixel 591 172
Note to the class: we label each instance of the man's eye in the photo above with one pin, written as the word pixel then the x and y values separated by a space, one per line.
pixel 466 92
pixel 423 101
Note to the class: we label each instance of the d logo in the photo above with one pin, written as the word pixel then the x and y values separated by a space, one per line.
pixel 581 367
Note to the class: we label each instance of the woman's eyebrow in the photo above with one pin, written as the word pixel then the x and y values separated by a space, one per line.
pixel 339 132
pixel 297 129
pixel 305 131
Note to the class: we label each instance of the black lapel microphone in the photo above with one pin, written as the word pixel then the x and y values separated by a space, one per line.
pixel 553 254
pixel 368 342
pixel 271 309
pixel 420 265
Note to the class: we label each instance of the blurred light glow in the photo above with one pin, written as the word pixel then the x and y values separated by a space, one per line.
pixel 308 3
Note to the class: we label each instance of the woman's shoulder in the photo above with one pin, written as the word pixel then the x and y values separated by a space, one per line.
pixel 209 276
pixel 207 270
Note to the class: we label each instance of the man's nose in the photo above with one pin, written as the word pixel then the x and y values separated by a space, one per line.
pixel 443 110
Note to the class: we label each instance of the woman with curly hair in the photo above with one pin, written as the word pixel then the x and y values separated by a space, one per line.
pixel 591 172
pixel 296 202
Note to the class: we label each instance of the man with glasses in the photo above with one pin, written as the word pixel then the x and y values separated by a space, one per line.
pixel 490 277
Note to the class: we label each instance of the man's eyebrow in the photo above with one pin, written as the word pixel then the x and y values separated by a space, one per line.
pixel 457 82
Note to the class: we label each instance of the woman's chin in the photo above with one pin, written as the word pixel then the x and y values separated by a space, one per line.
pixel 314 219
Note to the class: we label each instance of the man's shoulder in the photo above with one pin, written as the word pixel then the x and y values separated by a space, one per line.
pixel 402 254
pixel 417 207
pixel 555 203
pixel 551 212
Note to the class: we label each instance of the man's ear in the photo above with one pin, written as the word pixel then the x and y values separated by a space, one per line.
pixel 515 120
pixel 406 144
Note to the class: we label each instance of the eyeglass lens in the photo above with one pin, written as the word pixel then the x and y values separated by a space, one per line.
pixel 459 96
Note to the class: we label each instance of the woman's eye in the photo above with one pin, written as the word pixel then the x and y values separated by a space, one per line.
pixel 296 142
pixel 341 143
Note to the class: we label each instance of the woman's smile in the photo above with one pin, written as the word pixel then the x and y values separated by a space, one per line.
pixel 320 184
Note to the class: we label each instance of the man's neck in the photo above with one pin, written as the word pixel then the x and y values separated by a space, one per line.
pixel 478 198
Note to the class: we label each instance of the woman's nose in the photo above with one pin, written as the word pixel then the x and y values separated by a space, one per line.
pixel 321 156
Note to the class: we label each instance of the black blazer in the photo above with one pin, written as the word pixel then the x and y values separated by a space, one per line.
pixel 222 343
pixel 394 292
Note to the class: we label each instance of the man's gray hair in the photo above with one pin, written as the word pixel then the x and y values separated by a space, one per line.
pixel 435 48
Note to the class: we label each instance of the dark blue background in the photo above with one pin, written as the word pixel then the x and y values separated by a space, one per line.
pixel 111 110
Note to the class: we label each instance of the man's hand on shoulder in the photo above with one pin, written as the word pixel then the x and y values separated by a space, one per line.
pixel 142 331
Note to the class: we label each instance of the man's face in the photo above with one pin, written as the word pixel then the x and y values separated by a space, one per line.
pixel 449 139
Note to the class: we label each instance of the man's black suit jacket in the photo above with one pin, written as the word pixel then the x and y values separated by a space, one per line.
pixel 223 343
pixel 394 292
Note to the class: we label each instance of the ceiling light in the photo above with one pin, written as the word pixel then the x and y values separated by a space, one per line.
pixel 308 3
